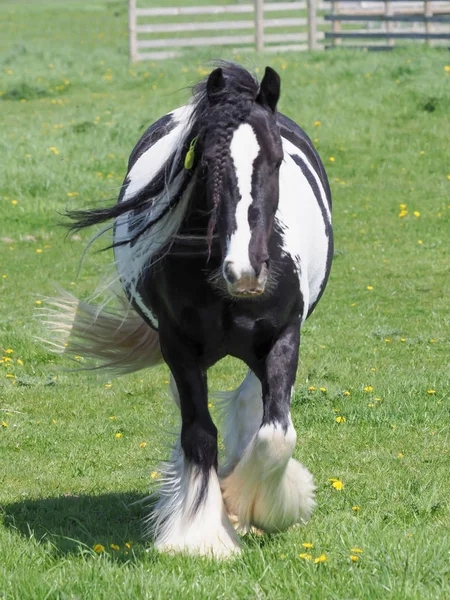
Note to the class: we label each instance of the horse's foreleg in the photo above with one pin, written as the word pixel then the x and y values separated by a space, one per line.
pixel 268 488
pixel 190 515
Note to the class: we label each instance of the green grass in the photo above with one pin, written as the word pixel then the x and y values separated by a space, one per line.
pixel 74 109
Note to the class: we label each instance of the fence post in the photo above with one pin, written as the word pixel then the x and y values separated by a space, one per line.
pixel 132 30
pixel 312 25
pixel 259 25
pixel 335 25
pixel 388 11
pixel 428 12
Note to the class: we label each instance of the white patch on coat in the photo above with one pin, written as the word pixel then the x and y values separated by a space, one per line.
pixel 151 161
pixel 131 260
pixel 268 489
pixel 244 149
pixel 304 235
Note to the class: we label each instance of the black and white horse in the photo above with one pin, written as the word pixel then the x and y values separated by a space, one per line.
pixel 223 245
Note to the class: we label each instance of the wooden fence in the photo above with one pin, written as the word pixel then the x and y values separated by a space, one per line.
pixel 164 32
pixel 290 26
pixel 381 24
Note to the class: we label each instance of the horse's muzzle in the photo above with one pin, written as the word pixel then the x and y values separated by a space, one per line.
pixel 246 284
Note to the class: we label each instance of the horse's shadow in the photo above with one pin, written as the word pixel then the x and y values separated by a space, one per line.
pixel 74 524
pixel 78 524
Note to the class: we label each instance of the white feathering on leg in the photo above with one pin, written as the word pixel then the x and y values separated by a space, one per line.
pixel 269 489
pixel 240 414
pixel 179 525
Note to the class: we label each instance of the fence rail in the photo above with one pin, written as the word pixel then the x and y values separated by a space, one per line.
pixel 163 32
pixel 278 26
pixel 387 21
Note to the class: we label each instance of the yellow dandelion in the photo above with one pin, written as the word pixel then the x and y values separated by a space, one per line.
pixel 9 351
pixel 107 385
pixel 54 150
pixel 307 545
pixel 155 475
pixel 332 159
pixel 354 558
pixel 317 123
pixel 98 548
pixel 113 418
pixel 338 485
pixel 402 213
pixel 400 455
pixel 19 362
pixel 119 435
pixel 115 546
pixel 402 206
pixel 13 202
pixel 356 550
pixel 142 444
pixel 368 388
pixel 320 559
pixel 128 545
pixel 322 389
pixel 312 388
pixel 416 213
pixel 341 419
pixel 431 392
pixel 305 556
pixel 347 393
pixel 447 68
pixel 370 287
pixel 4 424
pixel 355 508
pixel 39 250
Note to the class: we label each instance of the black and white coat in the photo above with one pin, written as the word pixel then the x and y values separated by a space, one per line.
pixel 228 256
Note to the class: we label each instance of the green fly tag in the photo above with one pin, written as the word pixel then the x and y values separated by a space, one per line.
pixel 190 154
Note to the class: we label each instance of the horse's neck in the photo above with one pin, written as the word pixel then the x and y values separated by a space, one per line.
pixel 197 215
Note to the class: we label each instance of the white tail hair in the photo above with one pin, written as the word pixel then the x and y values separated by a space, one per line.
pixel 119 338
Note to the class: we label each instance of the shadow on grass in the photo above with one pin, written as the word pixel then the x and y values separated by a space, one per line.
pixel 74 524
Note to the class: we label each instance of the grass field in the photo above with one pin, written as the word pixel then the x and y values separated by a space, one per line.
pixel 371 403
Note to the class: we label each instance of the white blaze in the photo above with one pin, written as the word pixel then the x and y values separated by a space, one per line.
pixel 244 149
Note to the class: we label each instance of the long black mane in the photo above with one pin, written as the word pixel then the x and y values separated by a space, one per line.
pixel 217 111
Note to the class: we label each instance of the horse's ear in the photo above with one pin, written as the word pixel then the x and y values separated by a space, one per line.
pixel 269 91
pixel 215 84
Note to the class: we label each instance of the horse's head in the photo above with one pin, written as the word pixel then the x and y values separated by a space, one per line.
pixel 242 158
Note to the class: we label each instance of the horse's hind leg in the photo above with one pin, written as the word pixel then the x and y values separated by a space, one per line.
pixel 268 488
pixel 190 515
pixel 241 412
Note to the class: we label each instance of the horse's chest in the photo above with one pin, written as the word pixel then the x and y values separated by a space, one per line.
pixel 182 297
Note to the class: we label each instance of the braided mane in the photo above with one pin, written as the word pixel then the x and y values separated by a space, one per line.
pixel 218 120
pixel 213 120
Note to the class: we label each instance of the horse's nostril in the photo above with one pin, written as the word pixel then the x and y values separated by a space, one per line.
pixel 229 273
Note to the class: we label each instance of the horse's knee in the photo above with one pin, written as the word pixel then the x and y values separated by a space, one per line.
pixel 199 444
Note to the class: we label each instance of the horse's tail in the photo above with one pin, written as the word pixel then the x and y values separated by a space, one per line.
pixel 120 339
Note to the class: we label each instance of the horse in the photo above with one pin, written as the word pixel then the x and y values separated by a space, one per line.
pixel 223 245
